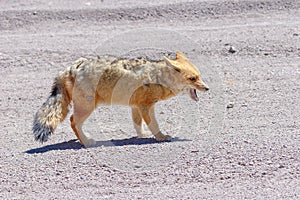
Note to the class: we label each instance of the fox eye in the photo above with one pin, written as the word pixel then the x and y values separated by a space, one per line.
pixel 193 79
pixel 177 70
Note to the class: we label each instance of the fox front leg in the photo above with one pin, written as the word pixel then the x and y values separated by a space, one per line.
pixel 137 123
pixel 148 114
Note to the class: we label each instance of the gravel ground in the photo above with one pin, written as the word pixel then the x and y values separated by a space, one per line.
pixel 241 141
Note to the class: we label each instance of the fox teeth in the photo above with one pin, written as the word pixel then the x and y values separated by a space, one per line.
pixel 194 94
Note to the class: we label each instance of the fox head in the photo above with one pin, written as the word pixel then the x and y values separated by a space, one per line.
pixel 187 76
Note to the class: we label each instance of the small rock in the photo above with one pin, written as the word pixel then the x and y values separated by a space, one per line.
pixel 230 105
pixel 295 34
pixel 231 49
pixel 34 13
pixel 281 166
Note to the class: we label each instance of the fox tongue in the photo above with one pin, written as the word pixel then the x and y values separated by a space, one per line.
pixel 194 94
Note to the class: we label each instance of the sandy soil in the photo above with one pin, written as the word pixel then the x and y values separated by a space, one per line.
pixel 240 141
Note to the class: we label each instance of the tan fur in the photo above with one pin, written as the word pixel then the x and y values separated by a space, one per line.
pixel 138 83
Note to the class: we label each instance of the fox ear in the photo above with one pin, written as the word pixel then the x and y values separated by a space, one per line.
pixel 169 61
pixel 180 55
pixel 173 64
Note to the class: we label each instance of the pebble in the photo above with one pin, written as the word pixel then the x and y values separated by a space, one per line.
pixel 232 49
pixel 230 105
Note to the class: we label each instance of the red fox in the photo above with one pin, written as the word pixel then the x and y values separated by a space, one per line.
pixel 139 83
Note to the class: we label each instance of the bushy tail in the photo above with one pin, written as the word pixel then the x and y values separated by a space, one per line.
pixel 53 111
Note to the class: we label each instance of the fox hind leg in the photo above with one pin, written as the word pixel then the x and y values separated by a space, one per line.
pixel 148 114
pixel 76 124
pixel 82 111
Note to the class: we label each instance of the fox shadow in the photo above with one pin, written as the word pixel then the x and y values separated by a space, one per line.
pixel 75 144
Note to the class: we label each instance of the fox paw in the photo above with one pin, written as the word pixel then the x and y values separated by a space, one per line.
pixel 89 142
pixel 145 134
pixel 161 137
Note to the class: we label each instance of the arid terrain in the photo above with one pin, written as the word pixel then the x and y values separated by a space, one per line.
pixel 240 141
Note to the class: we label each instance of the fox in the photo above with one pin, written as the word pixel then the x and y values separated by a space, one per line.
pixel 136 82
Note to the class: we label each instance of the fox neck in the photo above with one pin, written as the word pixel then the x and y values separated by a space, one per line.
pixel 166 76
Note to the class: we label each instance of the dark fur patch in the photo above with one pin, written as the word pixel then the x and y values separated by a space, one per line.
pixel 41 132
pixel 55 91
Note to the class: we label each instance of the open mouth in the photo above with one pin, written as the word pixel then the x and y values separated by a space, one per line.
pixel 193 94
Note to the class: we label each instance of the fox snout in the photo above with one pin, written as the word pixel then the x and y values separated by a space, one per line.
pixel 197 86
pixel 202 86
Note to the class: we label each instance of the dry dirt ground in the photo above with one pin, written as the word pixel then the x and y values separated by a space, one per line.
pixel 241 141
